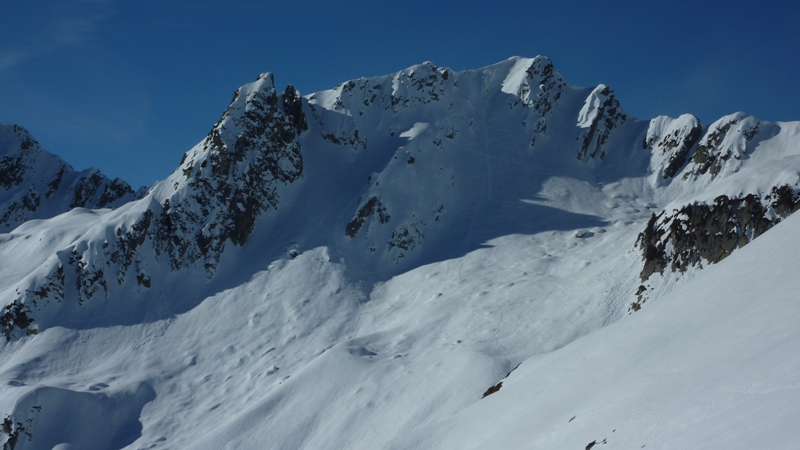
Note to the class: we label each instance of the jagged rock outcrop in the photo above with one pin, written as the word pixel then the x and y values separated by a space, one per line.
pixel 35 184
pixel 14 315
pixel 727 138
pixel 234 175
pixel 673 139
pixel 539 86
pixel 365 212
pixel 707 233
pixel 600 115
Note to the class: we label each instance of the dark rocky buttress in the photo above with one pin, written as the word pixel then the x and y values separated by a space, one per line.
pixel 700 232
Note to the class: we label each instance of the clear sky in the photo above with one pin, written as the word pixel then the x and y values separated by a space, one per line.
pixel 129 86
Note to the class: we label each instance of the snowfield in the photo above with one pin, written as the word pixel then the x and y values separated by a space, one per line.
pixel 489 259
pixel 713 364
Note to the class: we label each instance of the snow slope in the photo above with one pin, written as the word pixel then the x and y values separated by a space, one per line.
pixel 354 268
pixel 713 364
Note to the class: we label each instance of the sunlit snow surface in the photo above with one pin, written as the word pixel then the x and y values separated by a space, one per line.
pixel 714 364
pixel 307 338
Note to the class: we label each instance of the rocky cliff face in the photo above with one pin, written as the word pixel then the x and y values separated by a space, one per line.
pixel 214 197
pixel 600 115
pixel 35 184
pixel 708 230
pixel 700 233
pixel 727 139
pixel 673 139
pixel 233 176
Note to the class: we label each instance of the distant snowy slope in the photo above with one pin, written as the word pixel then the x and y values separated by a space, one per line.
pixel 712 365
pixel 35 184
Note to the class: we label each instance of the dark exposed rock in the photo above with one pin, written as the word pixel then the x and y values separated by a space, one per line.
pixel 640 299
pixel 51 288
pixel 17 210
pixel 706 155
pixel 539 129
pixel 30 177
pixel 366 211
pixel 251 150
pixel 542 90
pixel 11 171
pixel 14 315
pixel 783 200
pixel 549 81
pixel 342 138
pixel 677 145
pixel 492 389
pixel 114 191
pixel 293 107
pixel 712 153
pixel 89 279
pixel 497 386
pixel 406 238
pixel 609 115
pixel 426 84
pixel 699 232
pixel 53 186
pixel 15 430
pixel 85 189
pixel 125 251
pixel 143 280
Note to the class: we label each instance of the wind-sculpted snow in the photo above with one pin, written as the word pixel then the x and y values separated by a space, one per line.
pixel 48 417
pixel 712 365
pixel 35 184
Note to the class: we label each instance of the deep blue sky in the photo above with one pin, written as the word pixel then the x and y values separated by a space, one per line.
pixel 128 86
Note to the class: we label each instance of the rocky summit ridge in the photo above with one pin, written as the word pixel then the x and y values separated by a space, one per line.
pixel 351 267
pixel 427 127
pixel 35 184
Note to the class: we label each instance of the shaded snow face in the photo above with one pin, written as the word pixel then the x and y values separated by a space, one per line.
pixel 346 268
pixel 50 417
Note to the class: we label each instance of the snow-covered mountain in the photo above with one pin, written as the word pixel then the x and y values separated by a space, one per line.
pixel 35 184
pixel 355 268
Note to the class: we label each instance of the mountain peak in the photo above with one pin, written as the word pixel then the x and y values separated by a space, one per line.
pixel 35 184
